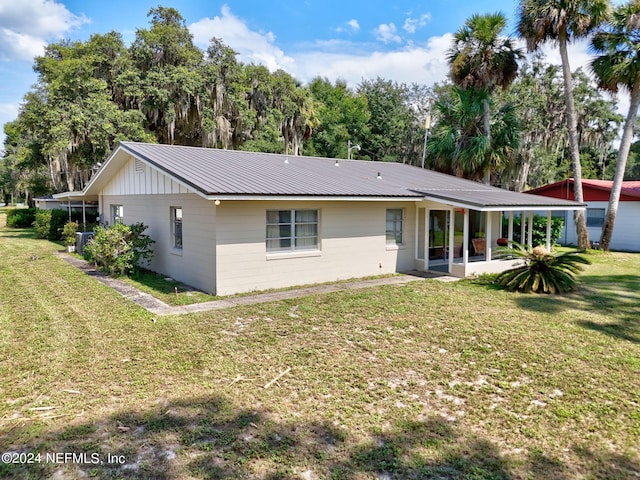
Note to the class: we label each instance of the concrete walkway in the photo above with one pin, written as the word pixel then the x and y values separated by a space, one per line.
pixel 158 307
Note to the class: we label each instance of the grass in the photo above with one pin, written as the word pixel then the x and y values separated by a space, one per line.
pixel 168 290
pixel 427 380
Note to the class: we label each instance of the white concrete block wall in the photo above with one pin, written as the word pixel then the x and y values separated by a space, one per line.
pixel 195 263
pixel 352 244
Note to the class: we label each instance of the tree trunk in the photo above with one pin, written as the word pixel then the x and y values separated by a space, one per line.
pixel 574 149
pixel 486 123
pixel 621 163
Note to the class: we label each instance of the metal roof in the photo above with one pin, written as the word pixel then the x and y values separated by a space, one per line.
pixel 239 174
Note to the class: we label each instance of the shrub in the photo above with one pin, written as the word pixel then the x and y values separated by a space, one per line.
pixel 69 233
pixel 543 271
pixel 50 223
pixel 539 233
pixel 120 249
pixel 42 223
pixel 21 217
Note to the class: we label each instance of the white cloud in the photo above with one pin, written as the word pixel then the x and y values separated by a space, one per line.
pixel 252 47
pixel 413 24
pixel 26 27
pixel 386 32
pixel 425 64
pixel 351 26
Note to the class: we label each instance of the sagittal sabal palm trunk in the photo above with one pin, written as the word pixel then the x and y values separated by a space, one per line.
pixel 581 223
pixel 486 120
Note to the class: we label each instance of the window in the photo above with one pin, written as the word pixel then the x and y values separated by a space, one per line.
pixel 117 214
pixel 595 217
pixel 176 227
pixel 395 220
pixel 289 230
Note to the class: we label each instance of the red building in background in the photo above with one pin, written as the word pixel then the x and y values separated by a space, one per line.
pixel 626 232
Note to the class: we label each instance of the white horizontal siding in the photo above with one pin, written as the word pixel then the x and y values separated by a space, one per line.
pixel 626 230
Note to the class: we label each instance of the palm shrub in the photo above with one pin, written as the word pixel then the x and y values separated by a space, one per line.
pixel 542 271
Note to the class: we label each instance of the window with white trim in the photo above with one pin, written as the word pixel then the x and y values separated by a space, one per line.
pixel 395 224
pixel 176 227
pixel 117 214
pixel 292 230
pixel 595 217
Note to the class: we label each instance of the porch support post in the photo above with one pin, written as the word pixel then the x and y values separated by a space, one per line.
pixel 427 222
pixel 84 216
pixel 69 208
pixel 487 236
pixel 510 231
pixel 417 224
pixel 530 235
pixel 452 232
pixel 548 245
pixel 523 226
pixel 465 239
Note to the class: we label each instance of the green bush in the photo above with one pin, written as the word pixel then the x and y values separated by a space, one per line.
pixel 539 229
pixel 542 271
pixel 42 223
pixel 21 217
pixel 50 223
pixel 119 249
pixel 69 233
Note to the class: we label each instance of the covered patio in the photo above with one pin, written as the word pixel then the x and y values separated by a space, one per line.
pixel 459 231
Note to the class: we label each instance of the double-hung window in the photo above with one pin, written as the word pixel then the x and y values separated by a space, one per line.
pixel 117 214
pixel 292 230
pixel 395 220
pixel 176 227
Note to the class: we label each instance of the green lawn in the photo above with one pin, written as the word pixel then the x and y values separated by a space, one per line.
pixel 427 380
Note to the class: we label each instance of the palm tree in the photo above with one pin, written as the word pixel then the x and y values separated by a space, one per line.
pixel 482 59
pixel 457 144
pixel 618 66
pixel 562 21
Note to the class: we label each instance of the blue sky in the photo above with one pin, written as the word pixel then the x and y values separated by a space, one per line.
pixel 352 40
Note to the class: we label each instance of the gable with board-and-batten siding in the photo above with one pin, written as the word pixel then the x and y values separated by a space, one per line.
pixel 138 178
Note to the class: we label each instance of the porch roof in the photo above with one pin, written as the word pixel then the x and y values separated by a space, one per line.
pixel 495 199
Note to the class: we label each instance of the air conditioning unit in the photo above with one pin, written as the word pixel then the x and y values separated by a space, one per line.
pixel 81 240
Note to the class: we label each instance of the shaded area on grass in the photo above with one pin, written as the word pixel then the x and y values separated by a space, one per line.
pixel 616 296
pixel 209 438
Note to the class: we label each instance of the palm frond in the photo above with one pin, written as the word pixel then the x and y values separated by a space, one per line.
pixel 542 272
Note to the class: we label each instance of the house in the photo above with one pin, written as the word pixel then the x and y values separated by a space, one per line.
pixel 84 212
pixel 626 230
pixel 232 221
